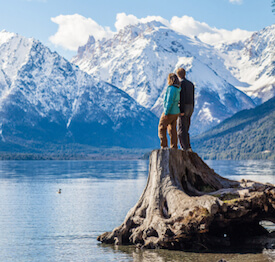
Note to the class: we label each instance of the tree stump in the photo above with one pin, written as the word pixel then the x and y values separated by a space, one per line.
pixel 186 205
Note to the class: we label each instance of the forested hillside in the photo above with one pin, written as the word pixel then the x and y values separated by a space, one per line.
pixel 249 134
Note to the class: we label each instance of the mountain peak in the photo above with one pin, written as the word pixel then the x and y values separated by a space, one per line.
pixel 139 58
pixel 131 32
pixel 5 36
pixel 142 26
pixel 85 47
pixel 54 101
pixel 252 61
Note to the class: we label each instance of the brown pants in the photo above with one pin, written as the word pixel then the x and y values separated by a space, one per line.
pixel 170 125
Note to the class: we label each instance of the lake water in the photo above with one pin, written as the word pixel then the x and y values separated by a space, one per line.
pixel 38 224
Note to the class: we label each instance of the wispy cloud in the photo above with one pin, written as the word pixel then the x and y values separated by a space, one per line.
pixel 236 1
pixel 74 30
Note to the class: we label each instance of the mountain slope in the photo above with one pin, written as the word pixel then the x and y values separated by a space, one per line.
pixel 43 97
pixel 249 134
pixel 253 62
pixel 139 58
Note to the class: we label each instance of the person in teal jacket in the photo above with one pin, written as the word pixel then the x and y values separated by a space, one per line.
pixel 168 119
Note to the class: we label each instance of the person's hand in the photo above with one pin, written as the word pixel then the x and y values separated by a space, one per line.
pixel 165 117
pixel 181 114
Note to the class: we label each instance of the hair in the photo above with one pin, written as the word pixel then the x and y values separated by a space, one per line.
pixel 181 73
pixel 173 80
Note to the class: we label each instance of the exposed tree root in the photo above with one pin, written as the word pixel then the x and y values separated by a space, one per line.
pixel 186 205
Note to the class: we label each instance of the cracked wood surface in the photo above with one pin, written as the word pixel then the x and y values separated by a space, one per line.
pixel 186 205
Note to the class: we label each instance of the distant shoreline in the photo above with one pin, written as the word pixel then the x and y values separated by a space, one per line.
pixel 111 155
pixel 74 152
pixel 88 157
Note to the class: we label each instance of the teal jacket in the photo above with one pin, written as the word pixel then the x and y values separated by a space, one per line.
pixel 171 100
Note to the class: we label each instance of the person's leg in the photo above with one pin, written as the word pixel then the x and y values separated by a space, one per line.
pixel 172 130
pixel 163 123
pixel 188 145
pixel 180 129
pixel 184 133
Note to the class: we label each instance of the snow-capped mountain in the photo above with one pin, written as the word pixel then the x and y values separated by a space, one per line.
pixel 253 63
pixel 139 58
pixel 43 97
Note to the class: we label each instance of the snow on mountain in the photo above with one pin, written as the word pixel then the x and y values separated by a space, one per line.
pixel 253 62
pixel 139 58
pixel 44 97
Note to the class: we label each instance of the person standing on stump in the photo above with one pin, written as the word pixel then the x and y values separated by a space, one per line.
pixel 187 103
pixel 168 119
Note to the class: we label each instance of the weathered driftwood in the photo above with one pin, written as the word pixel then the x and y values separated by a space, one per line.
pixel 186 205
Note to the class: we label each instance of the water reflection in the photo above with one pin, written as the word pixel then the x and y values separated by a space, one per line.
pixel 159 255
pixel 37 224
pixel 257 170
pixel 53 170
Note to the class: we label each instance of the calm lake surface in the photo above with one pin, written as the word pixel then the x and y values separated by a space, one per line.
pixel 38 224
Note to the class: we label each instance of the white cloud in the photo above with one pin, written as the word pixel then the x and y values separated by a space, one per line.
pixel 154 18
pixel 123 20
pixel 236 1
pixel 222 35
pixel 74 30
pixel 189 26
pixel 210 35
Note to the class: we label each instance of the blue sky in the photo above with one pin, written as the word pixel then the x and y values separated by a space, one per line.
pixel 42 19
